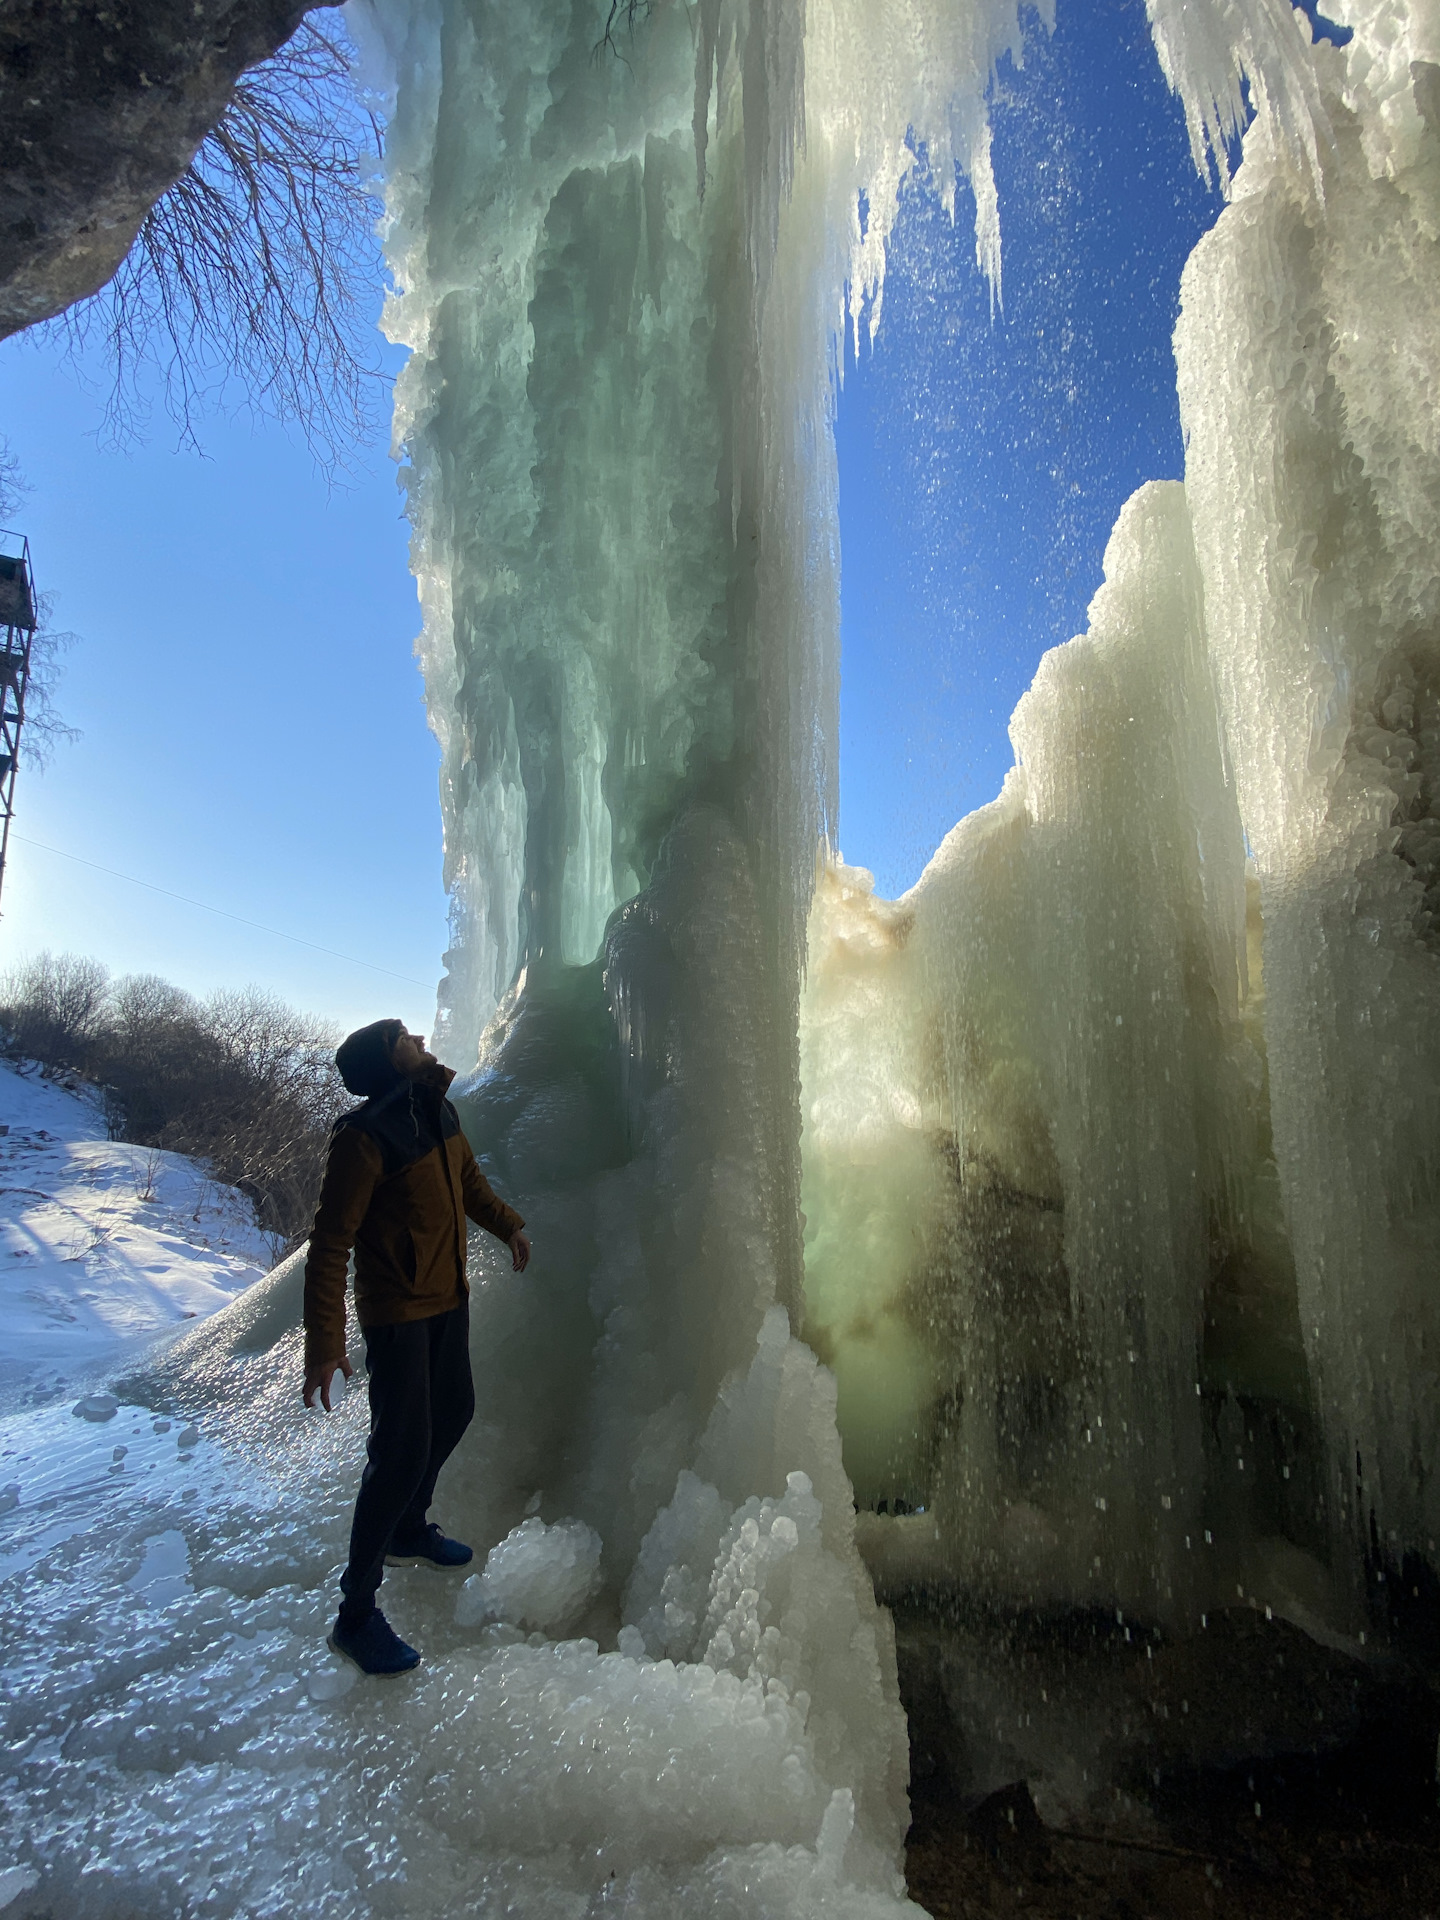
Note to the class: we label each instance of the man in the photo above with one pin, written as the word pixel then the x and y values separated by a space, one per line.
pixel 399 1182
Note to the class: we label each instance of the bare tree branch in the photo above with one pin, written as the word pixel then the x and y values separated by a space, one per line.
pixel 13 484
pixel 623 13
pixel 44 729
pixel 254 279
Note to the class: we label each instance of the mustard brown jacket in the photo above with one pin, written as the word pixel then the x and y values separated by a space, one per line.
pixel 399 1182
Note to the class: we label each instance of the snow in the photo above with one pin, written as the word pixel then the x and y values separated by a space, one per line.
pixel 170 1707
pixel 103 1245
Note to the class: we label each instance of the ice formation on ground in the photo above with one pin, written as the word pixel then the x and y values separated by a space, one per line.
pixel 170 1710
pixel 103 1244
pixel 1092 1284
pixel 537 1577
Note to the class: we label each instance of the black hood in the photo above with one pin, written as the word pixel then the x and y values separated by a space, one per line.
pixel 410 1119
pixel 364 1059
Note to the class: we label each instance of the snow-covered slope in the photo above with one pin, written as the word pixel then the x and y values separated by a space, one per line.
pixel 103 1245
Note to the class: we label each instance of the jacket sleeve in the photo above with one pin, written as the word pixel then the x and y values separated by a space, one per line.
pixel 351 1170
pixel 482 1203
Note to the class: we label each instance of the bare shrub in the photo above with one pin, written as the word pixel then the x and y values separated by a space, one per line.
pixel 264 1120
pixel 156 1059
pixel 240 1081
pixel 147 1176
pixel 143 1007
pixel 53 1006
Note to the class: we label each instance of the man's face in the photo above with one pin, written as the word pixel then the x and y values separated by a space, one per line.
pixel 408 1054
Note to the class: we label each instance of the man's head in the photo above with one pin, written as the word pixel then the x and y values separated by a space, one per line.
pixel 373 1059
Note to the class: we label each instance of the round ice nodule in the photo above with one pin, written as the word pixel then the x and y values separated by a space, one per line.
pixel 538 1577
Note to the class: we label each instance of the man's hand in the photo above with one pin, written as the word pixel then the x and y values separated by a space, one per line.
pixel 519 1244
pixel 321 1379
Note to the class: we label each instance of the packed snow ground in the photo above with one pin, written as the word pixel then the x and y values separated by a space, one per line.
pixel 176 1739
pixel 103 1245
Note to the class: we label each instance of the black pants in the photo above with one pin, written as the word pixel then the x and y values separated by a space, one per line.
pixel 421 1401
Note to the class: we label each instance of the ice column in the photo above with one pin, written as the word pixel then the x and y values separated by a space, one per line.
pixel 1091 1130
pixel 623 273
pixel 1306 348
pixel 1071 964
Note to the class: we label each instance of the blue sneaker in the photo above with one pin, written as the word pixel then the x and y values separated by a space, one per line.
pixel 374 1647
pixel 431 1548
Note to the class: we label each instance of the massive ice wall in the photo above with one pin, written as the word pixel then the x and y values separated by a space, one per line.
pixel 623 271
pixel 1154 1145
pixel 1075 1097
pixel 1052 1241
pixel 1306 351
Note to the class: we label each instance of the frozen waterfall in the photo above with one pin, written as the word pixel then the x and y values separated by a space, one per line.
pixel 1168 1117
pixel 1100 1171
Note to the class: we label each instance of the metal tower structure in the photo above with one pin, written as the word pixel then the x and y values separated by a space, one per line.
pixel 18 620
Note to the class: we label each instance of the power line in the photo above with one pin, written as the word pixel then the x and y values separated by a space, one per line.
pixel 204 907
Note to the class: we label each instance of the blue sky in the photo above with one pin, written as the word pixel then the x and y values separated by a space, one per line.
pixel 252 728
pixel 982 466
